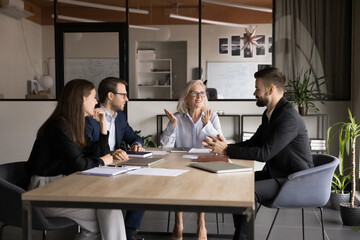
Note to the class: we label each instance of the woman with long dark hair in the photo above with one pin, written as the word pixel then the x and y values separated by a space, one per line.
pixel 61 148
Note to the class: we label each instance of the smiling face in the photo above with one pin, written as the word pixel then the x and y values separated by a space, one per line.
pixel 89 103
pixel 196 96
pixel 261 93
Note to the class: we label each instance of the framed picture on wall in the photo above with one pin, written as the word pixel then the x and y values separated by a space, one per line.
pixel 261 41
pixel 235 45
pixel 223 45
pixel 270 44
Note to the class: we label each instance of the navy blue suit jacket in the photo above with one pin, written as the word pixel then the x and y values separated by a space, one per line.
pixel 123 131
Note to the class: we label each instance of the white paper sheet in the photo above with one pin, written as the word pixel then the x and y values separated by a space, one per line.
pixel 160 153
pixel 158 172
pixel 190 156
pixel 199 150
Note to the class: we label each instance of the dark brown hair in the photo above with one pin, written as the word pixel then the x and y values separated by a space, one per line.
pixel 108 85
pixel 70 107
pixel 273 76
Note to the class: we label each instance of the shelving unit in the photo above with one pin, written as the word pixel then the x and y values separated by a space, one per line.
pixel 316 124
pixel 153 78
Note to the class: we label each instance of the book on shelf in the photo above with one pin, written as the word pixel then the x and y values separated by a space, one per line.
pixel 318 144
pixel 139 154
pixel 247 135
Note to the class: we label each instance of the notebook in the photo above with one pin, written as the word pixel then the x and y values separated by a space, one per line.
pixel 212 158
pixel 219 167
pixel 138 154
pixel 140 161
pixel 180 149
pixel 104 171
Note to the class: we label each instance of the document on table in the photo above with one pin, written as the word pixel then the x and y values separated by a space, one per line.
pixel 190 156
pixel 159 153
pixel 108 171
pixel 199 150
pixel 158 172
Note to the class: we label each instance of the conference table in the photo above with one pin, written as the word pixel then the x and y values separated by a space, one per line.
pixel 193 191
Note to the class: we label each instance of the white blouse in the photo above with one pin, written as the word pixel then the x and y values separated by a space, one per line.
pixel 189 134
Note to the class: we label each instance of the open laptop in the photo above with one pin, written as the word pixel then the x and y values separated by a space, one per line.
pixel 219 167
pixel 140 161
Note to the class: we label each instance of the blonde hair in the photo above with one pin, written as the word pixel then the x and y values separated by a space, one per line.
pixel 182 106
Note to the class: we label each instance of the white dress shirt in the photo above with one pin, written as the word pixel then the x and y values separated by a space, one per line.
pixel 189 134
pixel 111 128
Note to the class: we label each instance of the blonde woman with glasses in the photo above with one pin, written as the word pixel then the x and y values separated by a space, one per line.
pixel 188 128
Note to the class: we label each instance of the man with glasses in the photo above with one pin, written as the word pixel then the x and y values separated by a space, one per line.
pixel 113 97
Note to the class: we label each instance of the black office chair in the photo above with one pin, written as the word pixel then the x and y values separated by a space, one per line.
pixel 309 188
pixel 13 182
pixel 211 93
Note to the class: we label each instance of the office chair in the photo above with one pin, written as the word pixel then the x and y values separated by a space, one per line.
pixel 308 188
pixel 211 93
pixel 13 182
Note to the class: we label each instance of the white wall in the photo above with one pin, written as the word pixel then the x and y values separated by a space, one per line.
pixel 21 55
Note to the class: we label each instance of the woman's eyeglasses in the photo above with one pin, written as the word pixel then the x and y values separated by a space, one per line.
pixel 196 93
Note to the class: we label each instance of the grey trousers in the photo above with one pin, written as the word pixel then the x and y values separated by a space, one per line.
pixel 105 224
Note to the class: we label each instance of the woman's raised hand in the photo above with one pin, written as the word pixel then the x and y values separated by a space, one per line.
pixel 99 115
pixel 206 117
pixel 171 117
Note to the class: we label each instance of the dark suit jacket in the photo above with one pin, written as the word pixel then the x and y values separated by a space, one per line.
pixel 123 131
pixel 55 152
pixel 282 142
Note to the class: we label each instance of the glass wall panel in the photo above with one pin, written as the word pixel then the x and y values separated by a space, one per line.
pixel 163 50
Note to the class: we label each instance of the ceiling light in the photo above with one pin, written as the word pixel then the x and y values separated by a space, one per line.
pixel 102 6
pixel 94 21
pixel 261 9
pixel 207 21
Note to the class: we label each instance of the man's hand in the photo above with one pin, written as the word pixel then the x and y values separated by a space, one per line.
pixel 171 117
pixel 120 155
pixel 216 145
pixel 206 117
pixel 99 115
pixel 108 159
pixel 137 148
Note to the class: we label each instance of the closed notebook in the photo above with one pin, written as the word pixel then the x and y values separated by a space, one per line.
pixel 139 154
pixel 219 167
pixel 139 161
pixel 104 171
pixel 213 158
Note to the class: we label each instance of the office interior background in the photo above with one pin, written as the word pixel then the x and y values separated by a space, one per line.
pixel 27 46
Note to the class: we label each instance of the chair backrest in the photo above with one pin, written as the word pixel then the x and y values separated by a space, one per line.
pixel 211 93
pixel 14 182
pixel 310 187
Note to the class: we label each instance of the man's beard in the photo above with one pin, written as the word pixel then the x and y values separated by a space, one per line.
pixel 262 102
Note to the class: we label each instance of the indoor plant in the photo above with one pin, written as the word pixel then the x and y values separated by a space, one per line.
pixel 348 132
pixel 303 91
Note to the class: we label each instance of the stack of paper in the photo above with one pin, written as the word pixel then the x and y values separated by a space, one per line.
pixel 318 144
pixel 108 171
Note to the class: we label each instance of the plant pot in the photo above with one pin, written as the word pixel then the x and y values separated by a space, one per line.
pixel 350 215
pixel 337 198
pixel 303 111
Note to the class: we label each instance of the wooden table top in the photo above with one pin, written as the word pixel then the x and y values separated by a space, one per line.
pixel 193 188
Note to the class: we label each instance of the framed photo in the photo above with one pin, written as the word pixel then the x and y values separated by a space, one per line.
pixel 35 87
pixel 223 45
pixel 235 45
pixel 270 44
pixel 261 50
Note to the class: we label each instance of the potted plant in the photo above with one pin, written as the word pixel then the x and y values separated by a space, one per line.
pixel 348 133
pixel 303 91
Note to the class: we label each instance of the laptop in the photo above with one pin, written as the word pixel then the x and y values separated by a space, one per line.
pixel 140 161
pixel 219 167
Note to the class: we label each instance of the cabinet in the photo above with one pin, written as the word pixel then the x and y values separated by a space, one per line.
pixel 316 124
pixel 154 78
pixel 161 125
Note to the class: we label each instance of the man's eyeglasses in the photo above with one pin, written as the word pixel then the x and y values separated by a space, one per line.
pixel 122 94
pixel 196 93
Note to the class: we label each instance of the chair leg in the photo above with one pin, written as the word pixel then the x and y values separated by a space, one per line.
pixel 168 225
pixel 272 224
pixel 322 223
pixel 217 224
pixel 303 225
pixel 44 235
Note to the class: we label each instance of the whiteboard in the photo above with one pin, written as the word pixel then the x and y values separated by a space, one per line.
pixel 92 69
pixel 232 80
